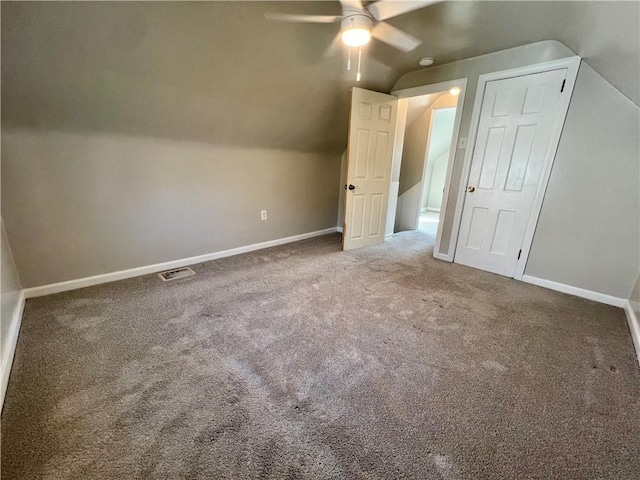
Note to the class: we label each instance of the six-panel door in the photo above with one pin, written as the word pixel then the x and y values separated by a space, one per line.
pixel 372 126
pixel 517 120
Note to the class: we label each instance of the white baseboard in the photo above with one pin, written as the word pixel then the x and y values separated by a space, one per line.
pixel 10 348
pixel 578 292
pixel 339 229
pixel 159 267
pixel 634 326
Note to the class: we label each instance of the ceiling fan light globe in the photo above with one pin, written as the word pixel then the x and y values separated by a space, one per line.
pixel 356 37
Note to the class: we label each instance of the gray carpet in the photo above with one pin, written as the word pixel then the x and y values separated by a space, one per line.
pixel 305 362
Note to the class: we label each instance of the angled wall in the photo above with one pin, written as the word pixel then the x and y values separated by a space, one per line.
pixel 588 230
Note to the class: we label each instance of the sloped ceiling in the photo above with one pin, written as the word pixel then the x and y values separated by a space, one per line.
pixel 218 72
pixel 416 106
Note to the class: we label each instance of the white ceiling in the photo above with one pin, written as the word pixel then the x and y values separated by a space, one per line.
pixel 218 72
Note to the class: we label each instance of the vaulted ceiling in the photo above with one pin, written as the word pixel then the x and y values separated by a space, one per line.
pixel 218 72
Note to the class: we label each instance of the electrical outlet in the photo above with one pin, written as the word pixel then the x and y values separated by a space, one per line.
pixel 263 215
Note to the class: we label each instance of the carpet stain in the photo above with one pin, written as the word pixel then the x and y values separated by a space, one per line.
pixel 495 366
pixel 443 465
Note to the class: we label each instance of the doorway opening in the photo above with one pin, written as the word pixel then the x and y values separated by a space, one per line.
pixel 435 168
pixel 428 144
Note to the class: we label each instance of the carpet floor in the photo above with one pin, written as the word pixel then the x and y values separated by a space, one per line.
pixel 306 362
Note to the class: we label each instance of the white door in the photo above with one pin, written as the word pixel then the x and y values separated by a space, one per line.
pixel 517 120
pixel 372 125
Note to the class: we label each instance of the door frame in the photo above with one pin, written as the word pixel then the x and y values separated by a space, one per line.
pixel 572 64
pixel 461 83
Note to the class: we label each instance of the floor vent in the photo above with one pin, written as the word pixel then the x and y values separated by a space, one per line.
pixel 175 274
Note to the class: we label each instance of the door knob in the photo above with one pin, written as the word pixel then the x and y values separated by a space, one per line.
pixel 471 189
pixel 352 187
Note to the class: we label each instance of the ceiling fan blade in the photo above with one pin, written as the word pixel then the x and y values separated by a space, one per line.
pixel 335 47
pixel 383 9
pixel 291 17
pixel 357 4
pixel 395 37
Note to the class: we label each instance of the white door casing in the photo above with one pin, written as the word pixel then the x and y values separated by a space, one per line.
pixel 518 121
pixel 372 128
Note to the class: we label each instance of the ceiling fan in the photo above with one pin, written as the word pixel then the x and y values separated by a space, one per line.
pixel 359 23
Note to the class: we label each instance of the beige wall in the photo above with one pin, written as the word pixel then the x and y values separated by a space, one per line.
pixel 10 289
pixel 80 205
pixel 414 152
pixel 588 231
pixel 415 144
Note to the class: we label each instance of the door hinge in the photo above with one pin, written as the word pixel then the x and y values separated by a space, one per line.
pixel 519 253
pixel 562 88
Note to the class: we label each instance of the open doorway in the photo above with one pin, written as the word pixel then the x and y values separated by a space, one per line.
pixel 436 160
pixel 429 142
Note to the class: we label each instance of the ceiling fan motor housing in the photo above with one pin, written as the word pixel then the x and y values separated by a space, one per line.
pixel 353 18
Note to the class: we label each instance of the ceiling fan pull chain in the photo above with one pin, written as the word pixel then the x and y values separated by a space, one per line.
pixel 349 60
pixel 359 59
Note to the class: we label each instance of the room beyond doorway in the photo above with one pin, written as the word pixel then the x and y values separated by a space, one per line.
pixel 429 144
pixel 428 222
pixel 438 152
